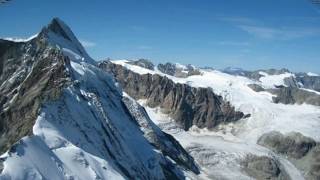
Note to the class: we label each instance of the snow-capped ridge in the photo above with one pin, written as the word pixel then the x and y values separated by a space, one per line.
pixel 60 35
pixel 312 74
pixel 19 39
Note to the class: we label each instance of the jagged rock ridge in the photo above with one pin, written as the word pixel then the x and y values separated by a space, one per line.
pixel 187 105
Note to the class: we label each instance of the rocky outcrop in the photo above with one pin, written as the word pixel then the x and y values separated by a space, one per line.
pixel 302 151
pixel 187 105
pixel 178 70
pixel 292 95
pixel 256 87
pixel 293 144
pixel 311 164
pixel 27 78
pixel 255 75
pixel 291 82
pixel 1 165
pixel 143 63
pixel 161 140
pixel 263 167
pixel 309 82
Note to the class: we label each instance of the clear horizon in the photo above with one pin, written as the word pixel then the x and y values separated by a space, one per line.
pixel 250 35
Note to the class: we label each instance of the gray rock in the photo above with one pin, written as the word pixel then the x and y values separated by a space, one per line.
pixel 256 87
pixel 314 172
pixel 302 151
pixel 167 68
pixel 187 105
pixel 255 75
pixel 291 82
pixel 310 164
pixel 1 165
pixel 294 144
pixel 143 63
pixel 161 140
pixel 309 82
pixel 263 167
pixel 173 70
pixel 276 71
pixel 33 80
pixel 292 95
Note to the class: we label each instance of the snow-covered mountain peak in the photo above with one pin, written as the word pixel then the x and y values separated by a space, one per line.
pixel 60 35
pixel 60 28
pixel 62 117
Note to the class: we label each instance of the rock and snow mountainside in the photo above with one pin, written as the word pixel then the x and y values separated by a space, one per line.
pixel 64 118
pixel 289 88
pixel 242 149
pixel 187 105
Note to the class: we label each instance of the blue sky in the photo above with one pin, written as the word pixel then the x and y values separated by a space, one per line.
pixel 249 34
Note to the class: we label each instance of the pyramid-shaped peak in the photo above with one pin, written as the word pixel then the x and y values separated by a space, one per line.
pixel 59 28
pixel 59 34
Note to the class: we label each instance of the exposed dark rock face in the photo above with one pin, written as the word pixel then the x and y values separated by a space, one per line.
pixel 254 74
pixel 314 164
pixel 263 167
pixel 276 71
pixel 309 82
pixel 143 63
pixel 167 68
pixel 174 70
pixel 1 165
pixel 293 144
pixel 187 105
pixel 291 95
pixel 162 141
pixel 291 82
pixel 302 151
pixel 256 87
pixel 27 78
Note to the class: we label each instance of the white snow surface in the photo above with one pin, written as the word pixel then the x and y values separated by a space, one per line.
pixel 270 81
pixel 18 39
pixel 312 74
